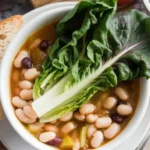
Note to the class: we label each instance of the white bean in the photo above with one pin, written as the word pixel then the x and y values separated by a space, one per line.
pixel 35 127
pixel 121 93
pixel 49 127
pixel 35 44
pixel 47 136
pixel 68 127
pixel 79 116
pixel 112 131
pixel 87 109
pixel 29 112
pixel 25 84
pixel 23 118
pixel 97 139
pixel 109 102
pixel 67 117
pixel 18 59
pixel 91 130
pixel 103 122
pixel 26 94
pixel 91 118
pixel 124 110
pixel 18 102
pixel 31 74
pixel 76 145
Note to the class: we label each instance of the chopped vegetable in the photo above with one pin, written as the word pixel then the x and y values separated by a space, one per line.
pixel 83 136
pixel 94 53
pixel 67 142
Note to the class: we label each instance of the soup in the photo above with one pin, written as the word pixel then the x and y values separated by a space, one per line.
pixel 95 123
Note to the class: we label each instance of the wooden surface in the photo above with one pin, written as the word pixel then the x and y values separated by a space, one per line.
pixel 2 147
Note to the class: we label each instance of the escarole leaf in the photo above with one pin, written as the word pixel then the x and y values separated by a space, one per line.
pixel 91 54
pixel 71 42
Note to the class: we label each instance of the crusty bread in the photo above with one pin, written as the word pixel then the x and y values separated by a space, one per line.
pixel 8 29
pixel 38 3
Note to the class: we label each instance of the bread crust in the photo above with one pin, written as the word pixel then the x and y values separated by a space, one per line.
pixel 38 3
pixel 8 29
pixel 12 19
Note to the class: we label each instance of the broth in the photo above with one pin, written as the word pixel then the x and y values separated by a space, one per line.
pixel 38 57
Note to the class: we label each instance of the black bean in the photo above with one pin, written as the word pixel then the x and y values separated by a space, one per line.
pixel 117 118
pixel 55 142
pixel 26 62
pixel 44 45
pixel 121 102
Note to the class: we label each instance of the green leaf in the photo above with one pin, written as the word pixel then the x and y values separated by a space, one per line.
pixel 99 51
pixel 71 31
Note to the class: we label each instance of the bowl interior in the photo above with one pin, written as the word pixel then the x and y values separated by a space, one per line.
pixel 34 25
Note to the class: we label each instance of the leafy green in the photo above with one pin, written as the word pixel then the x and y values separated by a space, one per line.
pixel 71 42
pixel 95 49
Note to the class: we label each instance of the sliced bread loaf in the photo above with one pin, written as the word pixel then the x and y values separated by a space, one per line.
pixel 8 29
pixel 38 3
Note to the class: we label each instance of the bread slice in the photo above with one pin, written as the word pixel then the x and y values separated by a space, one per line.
pixel 38 3
pixel 8 29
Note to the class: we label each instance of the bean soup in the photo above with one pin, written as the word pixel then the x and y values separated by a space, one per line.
pixel 95 123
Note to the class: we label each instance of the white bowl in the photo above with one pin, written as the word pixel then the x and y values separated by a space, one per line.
pixel 18 41
pixel 147 4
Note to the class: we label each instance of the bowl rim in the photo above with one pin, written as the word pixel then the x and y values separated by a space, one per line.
pixel 18 126
pixel 46 8
pixel 147 4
